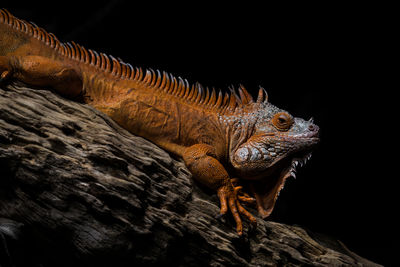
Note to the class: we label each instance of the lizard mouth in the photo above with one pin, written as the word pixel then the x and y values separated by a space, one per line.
pixel 266 189
pixel 266 163
pixel 290 170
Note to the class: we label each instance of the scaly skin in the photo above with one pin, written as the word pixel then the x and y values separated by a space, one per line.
pixel 241 148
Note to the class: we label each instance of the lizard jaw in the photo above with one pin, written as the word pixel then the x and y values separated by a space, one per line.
pixel 267 190
pixel 291 171
pixel 296 162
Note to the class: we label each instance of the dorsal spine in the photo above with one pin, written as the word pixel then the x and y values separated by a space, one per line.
pixel 165 82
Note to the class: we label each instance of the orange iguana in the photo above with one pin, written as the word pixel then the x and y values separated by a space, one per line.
pixel 244 149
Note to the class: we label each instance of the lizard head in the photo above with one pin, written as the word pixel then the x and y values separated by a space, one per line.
pixel 271 151
pixel 277 136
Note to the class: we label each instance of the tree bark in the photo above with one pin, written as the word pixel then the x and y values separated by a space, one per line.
pixel 78 190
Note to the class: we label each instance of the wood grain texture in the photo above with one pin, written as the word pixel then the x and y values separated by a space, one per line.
pixel 78 190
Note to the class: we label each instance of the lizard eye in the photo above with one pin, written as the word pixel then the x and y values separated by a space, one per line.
pixel 282 121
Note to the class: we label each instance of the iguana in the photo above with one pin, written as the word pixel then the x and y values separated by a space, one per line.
pixel 242 148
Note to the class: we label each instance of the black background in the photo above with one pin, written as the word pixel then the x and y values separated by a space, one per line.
pixel 329 62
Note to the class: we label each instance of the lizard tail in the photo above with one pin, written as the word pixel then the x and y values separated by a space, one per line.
pixel 15 32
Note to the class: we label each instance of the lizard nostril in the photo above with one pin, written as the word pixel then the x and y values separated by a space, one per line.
pixel 311 127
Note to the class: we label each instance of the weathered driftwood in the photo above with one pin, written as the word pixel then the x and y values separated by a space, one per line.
pixel 76 189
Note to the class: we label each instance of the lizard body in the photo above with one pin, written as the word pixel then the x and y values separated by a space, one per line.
pixel 224 139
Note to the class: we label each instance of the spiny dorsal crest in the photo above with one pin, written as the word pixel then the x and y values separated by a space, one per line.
pixel 195 93
pixel 198 95
pixel 72 50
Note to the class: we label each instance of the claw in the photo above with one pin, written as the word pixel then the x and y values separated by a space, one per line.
pixel 237 189
pixel 239 230
pixel 5 75
pixel 245 199
pixel 229 198
pixel 5 68
pixel 246 213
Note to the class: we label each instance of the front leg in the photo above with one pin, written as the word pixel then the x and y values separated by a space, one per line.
pixel 206 169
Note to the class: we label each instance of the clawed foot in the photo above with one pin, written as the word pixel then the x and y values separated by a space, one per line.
pixel 228 196
pixel 242 196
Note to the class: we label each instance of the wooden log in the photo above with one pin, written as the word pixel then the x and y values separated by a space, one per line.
pixel 78 190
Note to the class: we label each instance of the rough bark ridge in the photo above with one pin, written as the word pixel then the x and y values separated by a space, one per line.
pixel 76 189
